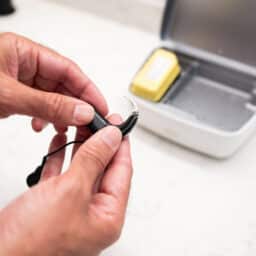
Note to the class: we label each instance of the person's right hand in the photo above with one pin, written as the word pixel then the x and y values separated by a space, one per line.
pixel 80 212
pixel 38 82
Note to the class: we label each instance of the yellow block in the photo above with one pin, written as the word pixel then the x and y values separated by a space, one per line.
pixel 156 76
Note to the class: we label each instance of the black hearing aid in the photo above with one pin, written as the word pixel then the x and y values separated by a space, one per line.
pixel 97 123
pixel 100 122
pixel 6 7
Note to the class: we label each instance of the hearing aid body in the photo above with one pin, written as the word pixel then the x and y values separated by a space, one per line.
pixel 100 122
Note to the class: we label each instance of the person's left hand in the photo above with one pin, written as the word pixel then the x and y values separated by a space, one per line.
pixel 39 82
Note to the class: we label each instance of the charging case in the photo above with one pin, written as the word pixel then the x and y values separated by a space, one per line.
pixel 211 107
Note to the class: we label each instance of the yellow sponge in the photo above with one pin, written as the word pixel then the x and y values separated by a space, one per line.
pixel 156 76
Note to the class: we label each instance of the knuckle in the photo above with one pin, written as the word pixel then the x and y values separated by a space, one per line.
pixel 114 229
pixel 93 154
pixel 6 99
pixel 55 106
pixel 69 67
pixel 109 233
pixel 8 36
pixel 110 223
pixel 71 187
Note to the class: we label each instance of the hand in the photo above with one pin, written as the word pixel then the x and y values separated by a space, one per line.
pixel 39 82
pixel 80 212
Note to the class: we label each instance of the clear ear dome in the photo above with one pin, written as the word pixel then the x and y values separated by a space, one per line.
pixel 123 106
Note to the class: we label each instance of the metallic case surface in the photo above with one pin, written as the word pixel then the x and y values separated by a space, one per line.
pixel 211 108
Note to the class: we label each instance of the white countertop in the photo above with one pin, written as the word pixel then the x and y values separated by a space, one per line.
pixel 181 203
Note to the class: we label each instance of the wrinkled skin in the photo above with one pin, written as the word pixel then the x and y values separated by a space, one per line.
pixel 79 212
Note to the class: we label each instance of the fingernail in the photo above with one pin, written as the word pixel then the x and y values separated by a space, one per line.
pixel 83 114
pixel 111 136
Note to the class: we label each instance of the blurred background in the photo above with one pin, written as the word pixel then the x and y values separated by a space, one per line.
pixel 142 14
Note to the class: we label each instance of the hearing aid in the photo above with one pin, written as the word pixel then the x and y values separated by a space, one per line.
pixel 98 123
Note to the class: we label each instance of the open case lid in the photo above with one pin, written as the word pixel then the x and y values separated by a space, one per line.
pixel 223 27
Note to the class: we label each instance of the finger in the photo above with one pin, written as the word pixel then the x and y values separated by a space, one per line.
pixel 95 154
pixel 82 87
pixel 69 74
pixel 54 163
pixel 31 59
pixel 53 107
pixel 38 124
pixel 45 84
pixel 72 84
pixel 84 133
pixel 62 90
pixel 49 68
pixel 116 181
pixel 115 119
pixel 60 128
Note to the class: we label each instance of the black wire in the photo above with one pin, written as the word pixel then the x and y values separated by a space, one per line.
pixel 62 147
pixel 35 176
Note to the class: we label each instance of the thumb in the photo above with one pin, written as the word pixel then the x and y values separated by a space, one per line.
pixel 95 154
pixel 17 98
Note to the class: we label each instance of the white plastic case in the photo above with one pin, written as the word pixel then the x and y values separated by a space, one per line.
pixel 211 106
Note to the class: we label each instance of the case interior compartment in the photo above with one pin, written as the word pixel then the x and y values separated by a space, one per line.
pixel 214 95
